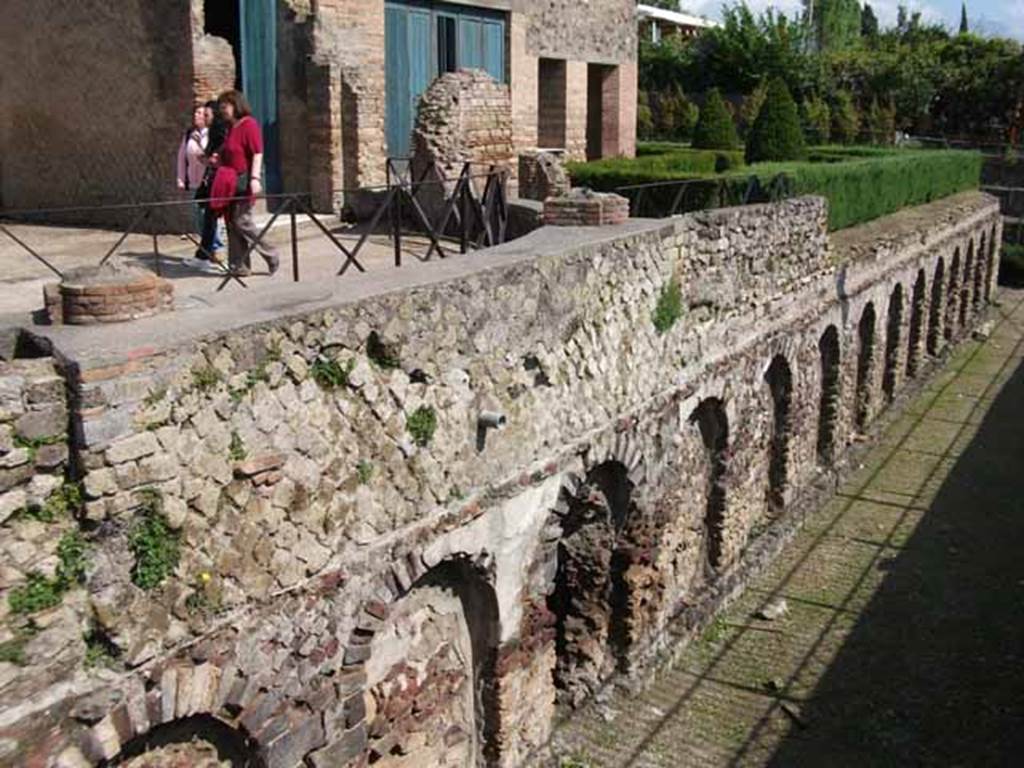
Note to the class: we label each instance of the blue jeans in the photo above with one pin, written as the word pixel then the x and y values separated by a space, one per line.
pixel 206 225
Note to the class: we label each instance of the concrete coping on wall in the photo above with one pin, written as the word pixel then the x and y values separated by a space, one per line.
pixel 237 307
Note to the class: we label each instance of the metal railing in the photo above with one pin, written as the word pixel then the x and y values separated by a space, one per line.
pixel 472 219
pixel 660 199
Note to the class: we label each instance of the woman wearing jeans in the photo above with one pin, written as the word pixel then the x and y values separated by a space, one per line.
pixel 240 175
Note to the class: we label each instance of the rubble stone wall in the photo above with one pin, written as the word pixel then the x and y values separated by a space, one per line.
pixel 338 501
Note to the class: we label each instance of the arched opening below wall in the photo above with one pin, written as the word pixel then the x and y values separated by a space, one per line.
pixel 779 379
pixel 591 598
pixel 993 263
pixel 980 275
pixel 965 285
pixel 865 366
pixel 935 330
pixel 436 653
pixel 892 342
pixel 952 296
pixel 201 741
pixel 828 404
pixel 710 418
pixel 917 308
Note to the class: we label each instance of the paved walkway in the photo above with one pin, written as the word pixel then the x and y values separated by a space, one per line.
pixel 904 641
pixel 23 277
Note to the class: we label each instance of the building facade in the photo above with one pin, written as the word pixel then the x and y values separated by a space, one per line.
pixel 334 82
pixel 657 24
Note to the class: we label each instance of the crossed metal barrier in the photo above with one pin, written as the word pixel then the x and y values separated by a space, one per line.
pixel 474 219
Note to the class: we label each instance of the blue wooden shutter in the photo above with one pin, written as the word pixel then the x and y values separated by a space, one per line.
pixel 259 78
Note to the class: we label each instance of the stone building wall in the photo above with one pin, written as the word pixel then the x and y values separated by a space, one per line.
pixel 95 97
pixel 663 393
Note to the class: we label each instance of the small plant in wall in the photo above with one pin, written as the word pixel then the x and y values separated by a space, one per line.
pixel 236 450
pixel 669 308
pixel 40 592
pixel 364 472
pixel 156 547
pixel 421 425
pixel 205 378
pixel 329 374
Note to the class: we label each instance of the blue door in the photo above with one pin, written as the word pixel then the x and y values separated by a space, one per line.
pixel 424 39
pixel 259 78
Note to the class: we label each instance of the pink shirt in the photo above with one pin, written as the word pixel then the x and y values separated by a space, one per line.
pixel 191 165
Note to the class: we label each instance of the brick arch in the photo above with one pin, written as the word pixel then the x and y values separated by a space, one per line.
pixel 865 372
pixel 936 308
pixel 272 729
pixel 966 284
pixel 830 393
pixel 893 334
pixel 980 275
pixel 918 309
pixel 711 419
pixel 470 576
pixel 779 380
pixel 953 296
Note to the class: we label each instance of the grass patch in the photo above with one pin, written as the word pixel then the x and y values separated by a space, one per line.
pixel 364 472
pixel 205 378
pixel 236 450
pixel 421 424
pixel 61 503
pixel 669 308
pixel 329 374
pixel 157 548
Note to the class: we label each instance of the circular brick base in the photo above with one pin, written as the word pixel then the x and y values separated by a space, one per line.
pixel 107 294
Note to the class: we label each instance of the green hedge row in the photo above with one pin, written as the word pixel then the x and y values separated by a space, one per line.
pixel 656 161
pixel 859 187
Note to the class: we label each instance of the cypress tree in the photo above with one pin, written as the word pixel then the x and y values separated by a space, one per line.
pixel 776 134
pixel 715 128
pixel 964 29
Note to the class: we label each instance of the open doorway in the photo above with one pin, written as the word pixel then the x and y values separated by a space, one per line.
pixel 602 111
pixel 250 27
pixel 551 106
pixel 221 19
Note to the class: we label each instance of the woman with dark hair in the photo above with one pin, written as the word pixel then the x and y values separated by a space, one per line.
pixel 240 175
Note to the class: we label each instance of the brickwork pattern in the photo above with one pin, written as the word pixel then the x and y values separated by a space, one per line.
pixel 583 208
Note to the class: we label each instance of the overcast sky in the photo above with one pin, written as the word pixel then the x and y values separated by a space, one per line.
pixel 1002 17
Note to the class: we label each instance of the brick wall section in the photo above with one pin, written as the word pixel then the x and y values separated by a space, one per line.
pixel 126 297
pixel 583 208
pixel 464 116
pixel 214 63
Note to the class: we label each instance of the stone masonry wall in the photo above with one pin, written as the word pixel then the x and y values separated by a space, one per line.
pixel 332 483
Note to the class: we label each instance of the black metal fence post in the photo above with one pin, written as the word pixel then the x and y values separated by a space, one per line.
pixel 295 241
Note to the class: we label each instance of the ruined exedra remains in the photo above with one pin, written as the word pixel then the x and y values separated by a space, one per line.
pixel 402 444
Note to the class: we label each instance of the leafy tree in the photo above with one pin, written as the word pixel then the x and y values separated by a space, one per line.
pixel 750 107
pixel 868 23
pixel 715 128
pixel 644 117
pixel 879 124
pixel 675 115
pixel 817 119
pixel 776 134
pixel 845 119
pixel 836 23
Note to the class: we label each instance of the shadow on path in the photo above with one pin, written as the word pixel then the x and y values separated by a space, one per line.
pixel 933 671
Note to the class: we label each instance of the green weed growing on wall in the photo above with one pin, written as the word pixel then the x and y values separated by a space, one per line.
pixel 421 424
pixel 669 308
pixel 157 548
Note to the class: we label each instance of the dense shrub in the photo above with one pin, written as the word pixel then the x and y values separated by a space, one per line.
pixel 715 128
pixel 817 120
pixel 750 107
pixel 861 183
pixel 845 119
pixel 644 117
pixel 657 161
pixel 776 135
pixel 879 124
pixel 674 115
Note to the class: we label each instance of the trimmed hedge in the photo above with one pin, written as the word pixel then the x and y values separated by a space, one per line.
pixel 776 134
pixel 653 163
pixel 715 128
pixel 860 184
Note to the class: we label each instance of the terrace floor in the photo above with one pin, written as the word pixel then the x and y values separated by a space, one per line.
pixel 904 640
pixel 23 278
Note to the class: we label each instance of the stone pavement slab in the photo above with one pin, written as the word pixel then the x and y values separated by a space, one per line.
pixel 904 641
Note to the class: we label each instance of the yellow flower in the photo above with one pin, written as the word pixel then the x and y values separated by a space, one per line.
pixel 204 577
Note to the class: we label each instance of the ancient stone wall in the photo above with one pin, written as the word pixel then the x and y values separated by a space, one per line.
pixel 365 557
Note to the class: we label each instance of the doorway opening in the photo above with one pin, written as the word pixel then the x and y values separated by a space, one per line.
pixel 602 111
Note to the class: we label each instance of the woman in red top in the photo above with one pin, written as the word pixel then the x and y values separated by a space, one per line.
pixel 240 174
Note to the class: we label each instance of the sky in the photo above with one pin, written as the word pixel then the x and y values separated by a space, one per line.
pixel 998 17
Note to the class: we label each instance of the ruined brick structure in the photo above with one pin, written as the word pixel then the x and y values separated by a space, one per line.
pixel 121 81
pixel 412 522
